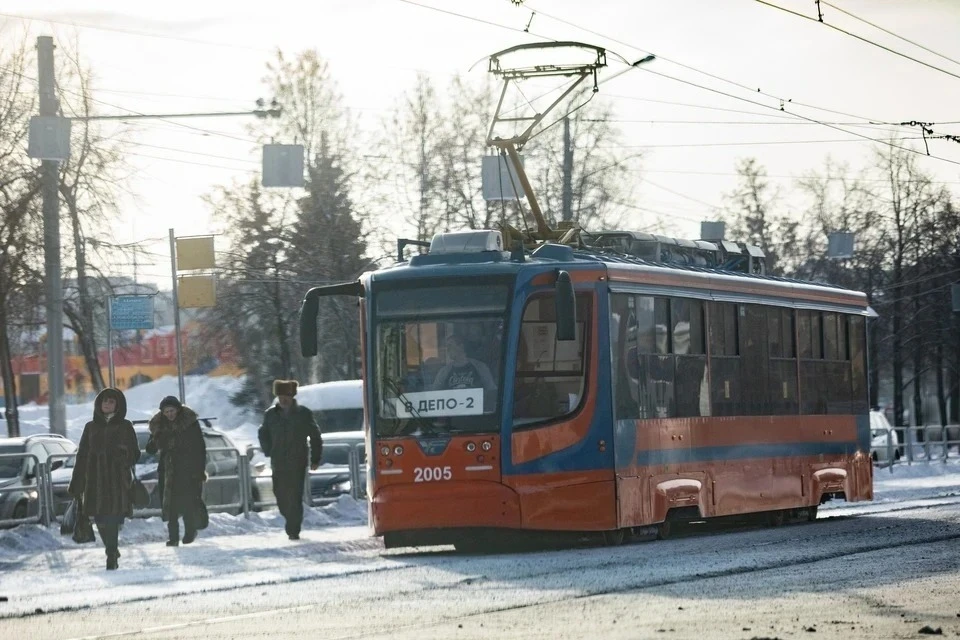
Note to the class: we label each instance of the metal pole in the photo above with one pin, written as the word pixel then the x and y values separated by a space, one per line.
pixel 176 314
pixel 567 171
pixel 110 367
pixel 51 246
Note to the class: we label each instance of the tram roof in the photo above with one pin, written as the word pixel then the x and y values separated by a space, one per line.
pixel 497 263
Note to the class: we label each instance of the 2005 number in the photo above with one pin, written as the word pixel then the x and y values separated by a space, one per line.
pixel 429 474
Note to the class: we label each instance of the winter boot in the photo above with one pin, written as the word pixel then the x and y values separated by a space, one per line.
pixel 189 536
pixel 112 561
pixel 173 543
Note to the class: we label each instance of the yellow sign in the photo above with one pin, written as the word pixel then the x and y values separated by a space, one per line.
pixel 197 291
pixel 195 253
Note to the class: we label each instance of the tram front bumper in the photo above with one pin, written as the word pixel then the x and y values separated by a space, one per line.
pixel 444 505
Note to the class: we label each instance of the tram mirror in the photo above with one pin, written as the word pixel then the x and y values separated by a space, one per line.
pixel 308 325
pixel 566 308
pixel 310 307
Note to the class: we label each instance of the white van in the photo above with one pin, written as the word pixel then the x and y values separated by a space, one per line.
pixel 337 406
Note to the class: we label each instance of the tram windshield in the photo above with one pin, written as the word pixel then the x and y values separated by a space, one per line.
pixel 439 359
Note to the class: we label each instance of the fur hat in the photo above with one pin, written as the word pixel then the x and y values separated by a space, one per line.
pixel 170 401
pixel 285 387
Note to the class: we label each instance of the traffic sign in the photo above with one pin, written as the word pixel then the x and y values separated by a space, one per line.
pixel 128 313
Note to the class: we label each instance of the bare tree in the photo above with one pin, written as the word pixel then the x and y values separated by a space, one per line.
pixel 19 184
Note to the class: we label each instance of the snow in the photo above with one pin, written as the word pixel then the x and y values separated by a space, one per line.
pixel 40 569
pixel 208 396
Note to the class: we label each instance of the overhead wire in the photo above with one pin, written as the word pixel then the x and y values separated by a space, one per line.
pixel 861 38
pixel 132 32
pixel 699 71
pixel 887 31
pixel 782 102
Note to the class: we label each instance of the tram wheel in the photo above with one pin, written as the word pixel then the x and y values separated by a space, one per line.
pixel 664 529
pixel 614 538
pixel 812 513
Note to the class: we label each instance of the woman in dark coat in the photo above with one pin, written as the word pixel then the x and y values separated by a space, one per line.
pixel 102 477
pixel 175 433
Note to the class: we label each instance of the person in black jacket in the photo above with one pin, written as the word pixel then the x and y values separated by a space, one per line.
pixel 283 437
pixel 175 433
pixel 102 478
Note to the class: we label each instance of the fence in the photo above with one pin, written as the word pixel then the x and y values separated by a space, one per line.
pixel 231 486
pixel 921 444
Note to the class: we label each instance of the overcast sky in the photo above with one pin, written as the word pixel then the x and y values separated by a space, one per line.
pixel 180 56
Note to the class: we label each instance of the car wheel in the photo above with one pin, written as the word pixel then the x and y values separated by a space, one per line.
pixel 20 511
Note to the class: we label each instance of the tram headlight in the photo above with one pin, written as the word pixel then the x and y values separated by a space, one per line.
pixel 385 450
pixel 471 447
pixel 398 450
pixel 486 446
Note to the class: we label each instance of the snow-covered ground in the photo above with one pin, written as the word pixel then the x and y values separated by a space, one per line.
pixel 39 568
pixel 208 396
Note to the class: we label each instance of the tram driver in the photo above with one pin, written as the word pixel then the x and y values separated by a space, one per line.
pixel 462 372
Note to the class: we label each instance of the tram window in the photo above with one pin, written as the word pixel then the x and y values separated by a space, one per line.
pixel 661 314
pixel 625 353
pixel 843 340
pixel 780 332
pixel 644 323
pixel 724 337
pixel 831 348
pixel 808 323
pixel 692 390
pixel 550 374
pixel 686 317
pixel 858 364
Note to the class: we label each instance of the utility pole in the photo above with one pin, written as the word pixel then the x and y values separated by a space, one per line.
pixel 50 178
pixel 176 316
pixel 567 171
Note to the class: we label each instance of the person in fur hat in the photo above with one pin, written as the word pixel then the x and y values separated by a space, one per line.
pixel 176 436
pixel 286 428
pixel 102 479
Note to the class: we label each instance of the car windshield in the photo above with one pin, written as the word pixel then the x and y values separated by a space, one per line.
pixel 439 359
pixel 10 467
pixel 334 420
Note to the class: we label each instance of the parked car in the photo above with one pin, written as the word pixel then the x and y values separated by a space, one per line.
pixel 222 486
pixel 884 443
pixel 333 477
pixel 337 406
pixel 19 497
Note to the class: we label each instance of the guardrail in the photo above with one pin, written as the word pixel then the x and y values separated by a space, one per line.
pixel 32 493
pixel 231 486
pixel 922 444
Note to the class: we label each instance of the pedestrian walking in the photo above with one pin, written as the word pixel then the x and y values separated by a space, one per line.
pixel 102 478
pixel 176 436
pixel 287 426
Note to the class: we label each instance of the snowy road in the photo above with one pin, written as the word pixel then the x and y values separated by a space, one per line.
pixel 878 570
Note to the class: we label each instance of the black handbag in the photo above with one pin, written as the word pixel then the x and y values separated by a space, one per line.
pixel 139 494
pixel 82 529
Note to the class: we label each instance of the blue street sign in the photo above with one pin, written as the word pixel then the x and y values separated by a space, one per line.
pixel 131 312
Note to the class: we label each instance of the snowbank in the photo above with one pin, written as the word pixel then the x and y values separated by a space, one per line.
pixel 208 396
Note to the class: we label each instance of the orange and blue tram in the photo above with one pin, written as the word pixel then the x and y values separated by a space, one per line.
pixel 574 390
